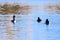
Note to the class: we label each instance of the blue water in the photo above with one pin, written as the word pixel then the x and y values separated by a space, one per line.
pixel 40 31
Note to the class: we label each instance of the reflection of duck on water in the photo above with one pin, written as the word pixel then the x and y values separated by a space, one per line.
pixel 38 20
pixel 47 22
pixel 13 21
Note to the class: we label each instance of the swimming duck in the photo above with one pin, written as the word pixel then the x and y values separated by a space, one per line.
pixel 38 20
pixel 13 21
pixel 47 22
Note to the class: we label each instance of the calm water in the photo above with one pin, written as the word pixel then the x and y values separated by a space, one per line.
pixel 27 27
